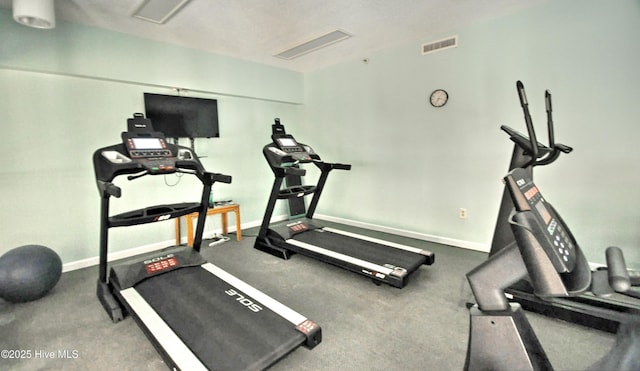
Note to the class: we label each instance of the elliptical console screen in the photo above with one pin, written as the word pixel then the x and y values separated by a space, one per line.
pixel 557 241
pixel 533 196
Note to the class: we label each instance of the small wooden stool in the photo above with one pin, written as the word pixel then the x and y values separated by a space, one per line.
pixel 222 210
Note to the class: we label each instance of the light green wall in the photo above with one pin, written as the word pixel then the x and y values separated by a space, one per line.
pixel 67 92
pixel 71 49
pixel 414 166
pixel 70 90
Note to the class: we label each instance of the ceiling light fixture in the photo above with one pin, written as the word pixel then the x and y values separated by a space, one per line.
pixel 312 45
pixel 34 13
pixel 159 11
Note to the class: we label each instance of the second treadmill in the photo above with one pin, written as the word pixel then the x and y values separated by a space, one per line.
pixel 382 261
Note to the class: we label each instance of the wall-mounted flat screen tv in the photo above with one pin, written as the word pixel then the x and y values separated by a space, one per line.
pixel 182 117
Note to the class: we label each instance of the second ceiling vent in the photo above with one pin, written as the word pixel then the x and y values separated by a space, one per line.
pixel 449 42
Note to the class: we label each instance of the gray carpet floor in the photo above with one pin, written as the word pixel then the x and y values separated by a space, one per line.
pixel 423 326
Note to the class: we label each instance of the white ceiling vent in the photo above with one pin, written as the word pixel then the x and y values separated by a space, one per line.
pixel 449 42
pixel 312 45
pixel 159 11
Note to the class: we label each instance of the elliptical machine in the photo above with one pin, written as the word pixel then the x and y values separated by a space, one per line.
pixel 527 154
pixel 546 253
pixel 607 308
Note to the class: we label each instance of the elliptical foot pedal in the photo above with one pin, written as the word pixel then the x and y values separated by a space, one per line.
pixel 600 284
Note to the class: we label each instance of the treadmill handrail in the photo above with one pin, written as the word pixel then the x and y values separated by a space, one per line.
pixel 328 166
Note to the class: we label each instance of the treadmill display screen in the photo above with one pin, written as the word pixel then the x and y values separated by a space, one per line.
pixel 287 142
pixel 147 143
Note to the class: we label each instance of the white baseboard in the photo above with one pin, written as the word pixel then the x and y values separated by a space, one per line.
pixel 411 234
pixel 470 245
pixel 89 262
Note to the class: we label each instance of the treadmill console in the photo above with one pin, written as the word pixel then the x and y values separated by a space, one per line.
pixel 143 151
pixel 150 150
pixel 285 150
pixel 147 147
pixel 286 145
pixel 551 233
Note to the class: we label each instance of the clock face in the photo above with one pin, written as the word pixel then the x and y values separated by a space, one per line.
pixel 439 98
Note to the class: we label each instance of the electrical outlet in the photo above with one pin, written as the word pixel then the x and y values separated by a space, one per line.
pixel 463 213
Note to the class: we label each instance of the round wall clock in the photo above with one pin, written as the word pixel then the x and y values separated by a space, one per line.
pixel 439 98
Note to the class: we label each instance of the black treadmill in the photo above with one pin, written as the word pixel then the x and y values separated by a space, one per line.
pixel 603 312
pixel 382 261
pixel 197 315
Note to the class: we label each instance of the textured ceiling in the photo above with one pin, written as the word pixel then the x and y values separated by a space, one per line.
pixel 256 30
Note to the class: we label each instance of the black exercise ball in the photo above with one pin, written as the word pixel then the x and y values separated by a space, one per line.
pixel 28 273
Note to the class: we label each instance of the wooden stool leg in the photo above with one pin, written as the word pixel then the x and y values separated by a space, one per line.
pixel 225 223
pixel 190 230
pixel 238 228
pixel 178 237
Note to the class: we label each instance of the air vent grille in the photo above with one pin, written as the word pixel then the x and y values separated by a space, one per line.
pixel 315 44
pixel 159 11
pixel 449 42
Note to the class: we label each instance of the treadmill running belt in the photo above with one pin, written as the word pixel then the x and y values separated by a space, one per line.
pixel 226 331
pixel 361 249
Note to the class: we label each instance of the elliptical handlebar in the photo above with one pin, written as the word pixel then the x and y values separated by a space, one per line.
pixel 527 119
pixel 554 149
pixel 563 148
pixel 547 101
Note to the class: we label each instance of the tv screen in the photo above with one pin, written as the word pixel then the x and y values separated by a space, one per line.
pixel 182 117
